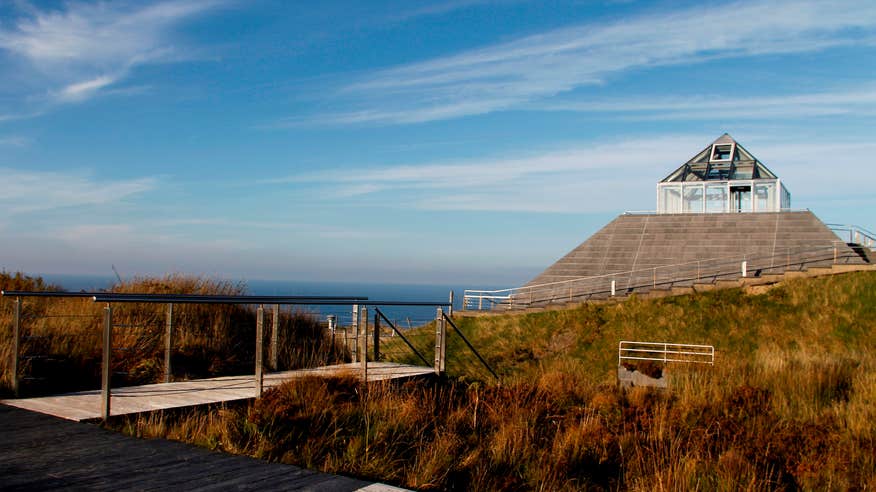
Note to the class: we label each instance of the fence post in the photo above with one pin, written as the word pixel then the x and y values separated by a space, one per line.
pixel 480 302
pixel 376 336
pixel 275 336
pixel 440 342
pixel 654 279
pixel 16 344
pixel 613 287
pixel 259 354
pixel 450 308
pixel 107 369
pixel 744 269
pixel 331 325
pixel 168 343
pixel 354 350
pixel 364 343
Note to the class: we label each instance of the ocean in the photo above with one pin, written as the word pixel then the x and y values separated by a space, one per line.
pixel 403 315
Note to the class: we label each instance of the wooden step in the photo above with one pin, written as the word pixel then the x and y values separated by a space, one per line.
pixel 795 274
pixel 704 287
pixel 656 293
pixel 728 283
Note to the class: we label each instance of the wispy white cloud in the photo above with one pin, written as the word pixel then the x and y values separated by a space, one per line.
pixel 577 179
pixel 537 67
pixel 322 231
pixel 442 8
pixel 14 141
pixel 84 90
pixel 858 101
pixel 29 191
pixel 596 178
pixel 81 48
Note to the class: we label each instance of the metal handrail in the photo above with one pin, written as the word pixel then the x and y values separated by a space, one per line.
pixel 183 298
pixel 586 287
pixel 604 275
pixel 856 233
pixel 222 299
pixel 657 212
pixel 707 352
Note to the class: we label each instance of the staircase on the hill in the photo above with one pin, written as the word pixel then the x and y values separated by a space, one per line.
pixel 659 255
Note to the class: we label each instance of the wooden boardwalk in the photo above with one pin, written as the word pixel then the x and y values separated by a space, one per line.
pixel 85 405
pixel 41 452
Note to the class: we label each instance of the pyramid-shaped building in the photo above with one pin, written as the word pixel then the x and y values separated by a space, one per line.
pixel 721 208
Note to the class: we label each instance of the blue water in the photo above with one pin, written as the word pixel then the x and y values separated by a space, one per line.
pixel 375 292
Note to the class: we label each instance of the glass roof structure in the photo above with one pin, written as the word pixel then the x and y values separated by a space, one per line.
pixel 722 178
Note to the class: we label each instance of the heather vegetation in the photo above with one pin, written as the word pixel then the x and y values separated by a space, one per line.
pixel 62 345
pixel 789 403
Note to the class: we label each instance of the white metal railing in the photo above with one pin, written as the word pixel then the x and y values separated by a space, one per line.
pixel 657 212
pixel 665 352
pixel 854 234
pixel 609 285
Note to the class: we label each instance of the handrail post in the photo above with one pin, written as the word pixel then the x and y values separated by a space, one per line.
pixel 376 336
pixel 168 342
pixel 450 307
pixel 259 352
pixel 440 341
pixel 106 370
pixel 16 344
pixel 354 350
pixel 364 344
pixel 275 336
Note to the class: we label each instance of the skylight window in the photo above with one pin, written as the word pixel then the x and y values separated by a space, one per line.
pixel 722 152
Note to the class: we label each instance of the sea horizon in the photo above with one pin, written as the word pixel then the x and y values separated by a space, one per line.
pixel 386 291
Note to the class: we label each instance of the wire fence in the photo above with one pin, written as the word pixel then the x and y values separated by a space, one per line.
pixel 676 275
pixel 60 339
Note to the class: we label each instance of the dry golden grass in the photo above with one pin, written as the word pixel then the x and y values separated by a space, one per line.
pixel 789 404
pixel 65 335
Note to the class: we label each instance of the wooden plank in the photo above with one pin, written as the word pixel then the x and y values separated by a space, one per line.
pixel 51 453
pixel 86 405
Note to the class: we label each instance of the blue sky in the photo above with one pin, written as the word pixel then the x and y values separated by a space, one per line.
pixel 465 141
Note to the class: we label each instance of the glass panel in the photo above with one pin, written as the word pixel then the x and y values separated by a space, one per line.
pixel 719 171
pixel 670 199
pixel 716 198
pixel 744 171
pixel 693 198
pixel 765 197
pixel 786 198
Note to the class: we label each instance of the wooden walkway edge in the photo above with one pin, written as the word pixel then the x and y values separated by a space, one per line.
pixel 41 452
pixel 85 405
